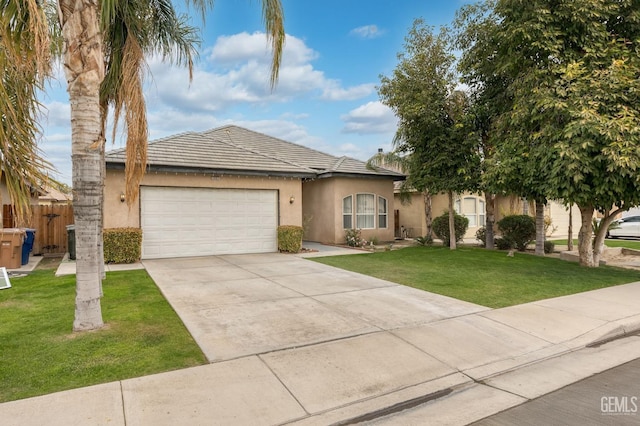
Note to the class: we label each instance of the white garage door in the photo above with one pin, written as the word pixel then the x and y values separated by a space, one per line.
pixel 181 222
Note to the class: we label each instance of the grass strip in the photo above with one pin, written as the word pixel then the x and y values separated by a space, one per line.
pixel 40 354
pixel 480 276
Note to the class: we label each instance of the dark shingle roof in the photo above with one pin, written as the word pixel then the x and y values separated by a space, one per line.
pixel 236 149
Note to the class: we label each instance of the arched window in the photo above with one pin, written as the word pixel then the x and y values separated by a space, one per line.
pixel 473 208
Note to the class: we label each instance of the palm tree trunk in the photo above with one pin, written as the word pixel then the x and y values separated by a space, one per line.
pixel 539 228
pixel 452 223
pixel 585 246
pixel 84 68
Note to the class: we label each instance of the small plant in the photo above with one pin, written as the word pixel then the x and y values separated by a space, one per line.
pixel 306 224
pixel 520 230
pixel 354 238
pixel 481 236
pixel 548 226
pixel 503 244
pixel 549 246
pixel 427 240
pixel 374 241
pixel 441 227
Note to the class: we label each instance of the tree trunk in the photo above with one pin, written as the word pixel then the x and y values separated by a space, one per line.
pixel 490 203
pixel 427 213
pixel 452 223
pixel 585 245
pixel 598 243
pixel 539 228
pixel 570 229
pixel 84 69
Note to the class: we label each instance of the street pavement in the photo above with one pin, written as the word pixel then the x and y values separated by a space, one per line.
pixel 292 341
pixel 608 398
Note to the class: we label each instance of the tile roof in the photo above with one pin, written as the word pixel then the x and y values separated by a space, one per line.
pixel 236 149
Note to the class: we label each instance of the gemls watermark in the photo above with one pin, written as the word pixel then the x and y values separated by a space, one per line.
pixel 619 405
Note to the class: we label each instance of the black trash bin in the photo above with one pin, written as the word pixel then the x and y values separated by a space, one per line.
pixel 71 241
pixel 27 246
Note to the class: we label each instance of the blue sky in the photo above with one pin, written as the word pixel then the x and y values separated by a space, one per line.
pixel 326 96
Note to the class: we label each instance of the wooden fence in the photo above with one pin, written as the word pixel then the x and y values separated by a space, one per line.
pixel 50 223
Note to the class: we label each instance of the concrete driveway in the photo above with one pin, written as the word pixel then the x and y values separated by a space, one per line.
pixel 292 341
pixel 239 305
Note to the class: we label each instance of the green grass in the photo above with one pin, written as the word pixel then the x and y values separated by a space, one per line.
pixel 40 354
pixel 609 243
pixel 488 278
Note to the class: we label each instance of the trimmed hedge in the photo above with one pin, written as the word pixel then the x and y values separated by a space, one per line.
pixel 290 238
pixel 122 245
pixel 518 229
pixel 440 227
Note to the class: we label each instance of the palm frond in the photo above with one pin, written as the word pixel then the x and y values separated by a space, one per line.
pixel 24 63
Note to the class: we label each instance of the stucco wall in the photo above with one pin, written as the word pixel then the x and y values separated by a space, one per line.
pixel 412 216
pixel 118 214
pixel 323 204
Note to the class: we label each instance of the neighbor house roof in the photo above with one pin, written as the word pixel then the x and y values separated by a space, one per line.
pixel 233 149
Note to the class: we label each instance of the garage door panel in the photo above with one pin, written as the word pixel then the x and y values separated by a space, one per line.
pixel 179 222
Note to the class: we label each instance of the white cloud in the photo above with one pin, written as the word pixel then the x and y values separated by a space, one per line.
pixel 370 118
pixel 333 92
pixel 367 31
pixel 237 71
pixel 231 50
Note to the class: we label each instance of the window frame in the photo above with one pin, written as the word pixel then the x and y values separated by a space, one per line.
pixel 480 213
pixel 360 216
pixel 347 214
pixel 385 214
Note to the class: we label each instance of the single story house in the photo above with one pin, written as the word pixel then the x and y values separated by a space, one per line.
pixel 412 219
pixel 226 190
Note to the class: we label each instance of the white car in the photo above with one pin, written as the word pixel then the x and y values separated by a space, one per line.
pixel 625 227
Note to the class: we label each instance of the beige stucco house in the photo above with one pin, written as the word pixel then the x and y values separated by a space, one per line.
pixel 226 190
pixel 411 215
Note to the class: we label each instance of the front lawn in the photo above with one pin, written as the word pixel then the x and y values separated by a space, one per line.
pixel 40 354
pixel 476 275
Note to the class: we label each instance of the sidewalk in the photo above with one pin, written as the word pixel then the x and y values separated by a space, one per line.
pixel 68 267
pixel 409 359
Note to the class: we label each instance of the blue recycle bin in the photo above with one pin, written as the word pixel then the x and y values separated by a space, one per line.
pixel 27 245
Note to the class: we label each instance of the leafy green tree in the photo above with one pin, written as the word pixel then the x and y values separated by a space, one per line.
pixel 431 112
pixel 570 73
pixel 506 171
pixel 571 131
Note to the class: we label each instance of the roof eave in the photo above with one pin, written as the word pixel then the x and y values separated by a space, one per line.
pixel 215 171
pixel 325 175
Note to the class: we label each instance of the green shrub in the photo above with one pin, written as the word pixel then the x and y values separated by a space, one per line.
pixel 549 246
pixel 290 238
pixel 440 227
pixel 519 229
pixel 481 236
pixel 503 244
pixel 122 245
pixel 354 238
pixel 427 240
